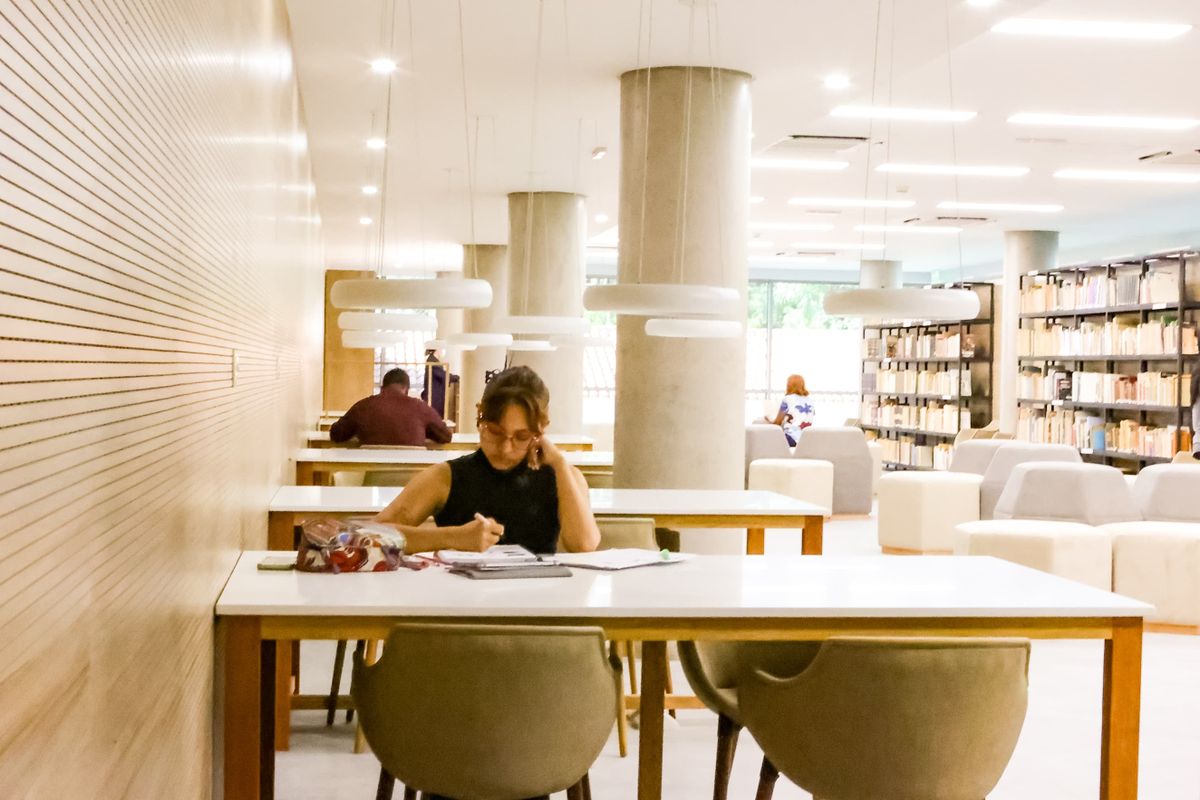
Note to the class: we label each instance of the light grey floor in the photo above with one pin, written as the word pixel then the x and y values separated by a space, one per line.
pixel 1057 757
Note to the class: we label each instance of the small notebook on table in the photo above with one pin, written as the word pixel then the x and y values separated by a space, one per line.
pixel 501 561
pixel 622 558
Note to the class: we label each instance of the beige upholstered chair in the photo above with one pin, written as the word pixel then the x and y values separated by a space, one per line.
pixel 1005 458
pixel 713 670
pixel 846 449
pixel 1093 494
pixel 765 441
pixel 905 719
pixel 479 712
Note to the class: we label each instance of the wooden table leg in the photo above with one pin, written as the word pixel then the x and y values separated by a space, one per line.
pixel 281 530
pixel 812 544
pixel 1122 710
pixel 756 541
pixel 650 739
pixel 304 473
pixel 283 694
pixel 242 765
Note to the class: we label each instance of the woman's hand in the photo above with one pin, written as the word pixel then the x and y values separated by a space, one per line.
pixel 550 454
pixel 477 535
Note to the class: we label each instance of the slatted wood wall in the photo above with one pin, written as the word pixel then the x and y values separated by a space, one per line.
pixel 160 334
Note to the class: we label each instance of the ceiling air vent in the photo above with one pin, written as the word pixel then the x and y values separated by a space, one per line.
pixel 1189 158
pixel 811 144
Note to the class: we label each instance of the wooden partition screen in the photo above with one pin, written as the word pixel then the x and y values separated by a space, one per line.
pixel 160 332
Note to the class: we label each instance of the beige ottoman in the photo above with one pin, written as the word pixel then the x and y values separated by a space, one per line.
pixel 807 479
pixel 1159 563
pixel 918 511
pixel 1068 549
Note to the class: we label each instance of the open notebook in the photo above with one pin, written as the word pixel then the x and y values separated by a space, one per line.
pixel 621 558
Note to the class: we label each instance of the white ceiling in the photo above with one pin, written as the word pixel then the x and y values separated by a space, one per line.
pixel 788 45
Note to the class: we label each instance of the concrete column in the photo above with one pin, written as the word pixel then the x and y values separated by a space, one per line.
pixel 684 190
pixel 1024 251
pixel 547 232
pixel 490 263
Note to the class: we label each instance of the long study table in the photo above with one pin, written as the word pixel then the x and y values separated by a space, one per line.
pixel 670 508
pixel 314 465
pixel 706 598
pixel 463 441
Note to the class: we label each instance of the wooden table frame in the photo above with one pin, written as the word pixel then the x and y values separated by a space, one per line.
pixel 250 695
pixel 320 472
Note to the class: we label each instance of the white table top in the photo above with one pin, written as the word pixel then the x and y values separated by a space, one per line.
pixel 470 438
pixel 367 455
pixel 704 586
pixel 623 502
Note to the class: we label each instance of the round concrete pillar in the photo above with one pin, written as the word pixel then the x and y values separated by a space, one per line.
pixel 488 262
pixel 684 196
pixel 1024 251
pixel 546 236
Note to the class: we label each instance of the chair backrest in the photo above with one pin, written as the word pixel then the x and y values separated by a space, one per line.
pixel 974 455
pixel 1008 456
pixel 1093 494
pixel 905 719
pixel 482 712
pixel 713 668
pixel 1169 492
pixel 765 441
pixel 618 532
pixel 1184 457
pixel 988 431
pixel 846 448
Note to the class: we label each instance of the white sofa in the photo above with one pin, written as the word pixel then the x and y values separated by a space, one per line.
pixel 1159 563
pixel 1069 549
pixel 1089 493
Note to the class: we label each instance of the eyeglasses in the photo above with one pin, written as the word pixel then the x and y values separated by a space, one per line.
pixel 520 439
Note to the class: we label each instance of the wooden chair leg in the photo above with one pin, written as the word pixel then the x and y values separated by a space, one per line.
pixel 359 648
pixel 575 792
pixel 335 686
pixel 614 658
pixel 631 657
pixel 410 794
pixel 386 784
pixel 766 781
pixel 587 786
pixel 670 687
pixel 371 653
pixel 727 739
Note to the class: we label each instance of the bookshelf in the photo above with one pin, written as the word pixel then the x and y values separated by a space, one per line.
pixel 923 382
pixel 1106 351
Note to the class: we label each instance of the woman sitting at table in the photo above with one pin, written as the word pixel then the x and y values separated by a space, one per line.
pixel 516 488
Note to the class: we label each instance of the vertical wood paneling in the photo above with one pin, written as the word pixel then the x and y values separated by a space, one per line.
pixel 155 231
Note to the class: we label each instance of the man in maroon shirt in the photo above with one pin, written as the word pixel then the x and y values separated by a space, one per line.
pixel 390 417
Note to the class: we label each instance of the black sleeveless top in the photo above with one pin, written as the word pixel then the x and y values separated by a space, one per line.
pixel 523 500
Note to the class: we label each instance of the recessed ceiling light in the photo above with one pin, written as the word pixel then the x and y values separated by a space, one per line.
pixel 791 226
pixel 370 190
pixel 912 114
pixel 815 165
pixel 926 229
pixel 1130 176
pixel 375 143
pixel 384 66
pixel 850 202
pixel 1104 121
pixel 364 220
pixel 600 219
pixel 954 169
pixel 755 200
pixel 1091 29
pixel 827 246
pixel 836 81
pixel 1038 208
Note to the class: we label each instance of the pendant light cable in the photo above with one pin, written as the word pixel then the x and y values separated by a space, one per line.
pixel 953 137
pixel 462 60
